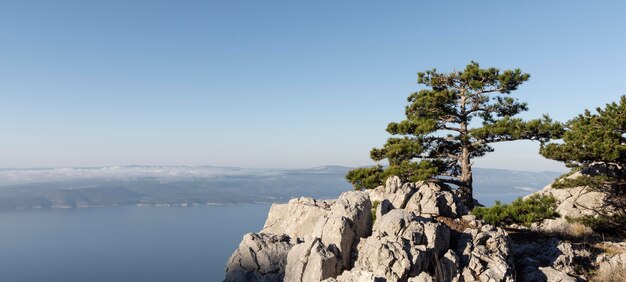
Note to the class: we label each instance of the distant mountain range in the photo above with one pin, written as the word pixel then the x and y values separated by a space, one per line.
pixel 201 185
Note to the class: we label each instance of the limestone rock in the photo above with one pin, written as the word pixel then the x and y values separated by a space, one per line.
pixel 422 277
pixel 449 266
pixel 394 191
pixel 548 274
pixel 356 206
pixel 403 244
pixel 312 261
pixel 542 258
pixel 485 255
pixel 395 222
pixel 392 185
pixel 260 257
pixel 338 231
pixel 433 198
pixel 355 275
pixel 415 229
pixel 296 218
pixel 579 201
pixel 384 257
pixel 383 208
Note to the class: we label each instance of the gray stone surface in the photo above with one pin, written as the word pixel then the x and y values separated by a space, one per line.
pixel 338 231
pixel 357 207
pixel 485 255
pixel 296 218
pixel 384 257
pixel 355 275
pixel 259 257
pixel 312 261
pixel 434 198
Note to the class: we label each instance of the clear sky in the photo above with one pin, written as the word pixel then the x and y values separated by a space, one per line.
pixel 284 84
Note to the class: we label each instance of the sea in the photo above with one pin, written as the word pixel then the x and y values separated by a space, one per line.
pixel 124 243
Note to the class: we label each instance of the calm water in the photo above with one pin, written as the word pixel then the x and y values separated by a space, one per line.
pixel 123 243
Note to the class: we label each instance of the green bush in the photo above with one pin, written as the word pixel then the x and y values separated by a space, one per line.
pixel 374 207
pixel 533 209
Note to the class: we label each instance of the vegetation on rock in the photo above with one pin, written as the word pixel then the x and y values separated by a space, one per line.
pixel 451 122
pixel 521 211
pixel 596 142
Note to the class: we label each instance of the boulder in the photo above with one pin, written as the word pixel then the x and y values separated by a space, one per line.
pixel 356 206
pixel 259 257
pixel 384 257
pixel 485 255
pixel 402 244
pixel 394 191
pixel 297 218
pixel 337 231
pixel 312 261
pixel 577 201
pixel 434 198
pixel 581 201
pixel 415 229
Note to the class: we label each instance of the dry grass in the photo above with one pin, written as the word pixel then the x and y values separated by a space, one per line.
pixel 610 248
pixel 610 274
pixel 573 230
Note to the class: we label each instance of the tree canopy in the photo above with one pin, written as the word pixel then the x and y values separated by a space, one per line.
pixel 597 141
pixel 592 137
pixel 451 121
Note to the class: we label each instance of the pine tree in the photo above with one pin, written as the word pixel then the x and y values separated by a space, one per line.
pixel 597 138
pixel 592 137
pixel 450 122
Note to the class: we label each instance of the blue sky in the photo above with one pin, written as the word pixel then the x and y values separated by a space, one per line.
pixel 284 84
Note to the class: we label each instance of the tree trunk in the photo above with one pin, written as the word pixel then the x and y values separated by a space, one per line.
pixel 465 189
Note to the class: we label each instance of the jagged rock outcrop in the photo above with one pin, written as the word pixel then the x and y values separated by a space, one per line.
pixel 580 201
pixel 260 257
pixel 403 244
pixel 357 207
pixel 384 257
pixel 337 231
pixel 312 261
pixel 394 191
pixel 416 230
pixel 434 199
pixel 411 240
pixel 548 259
pixel 297 218
pixel 485 254
pixel 577 201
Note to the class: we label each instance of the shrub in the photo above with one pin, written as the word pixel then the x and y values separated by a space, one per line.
pixel 374 207
pixel 523 211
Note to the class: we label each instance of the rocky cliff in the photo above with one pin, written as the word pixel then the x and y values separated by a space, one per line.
pixel 397 232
